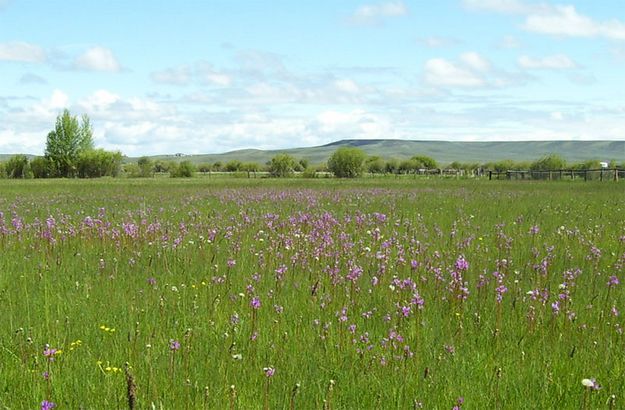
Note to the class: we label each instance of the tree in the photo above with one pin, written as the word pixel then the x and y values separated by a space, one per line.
pixel 548 163
pixel 146 167
pixel 347 162
pixel 66 142
pixel 96 163
pixel 375 165
pixel 425 161
pixel 41 167
pixel 233 165
pixel 250 167
pixel 185 169
pixel 17 167
pixel 282 165
pixel 391 166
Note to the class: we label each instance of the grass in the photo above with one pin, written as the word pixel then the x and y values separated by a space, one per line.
pixel 124 271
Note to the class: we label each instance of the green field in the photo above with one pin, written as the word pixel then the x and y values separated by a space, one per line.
pixel 310 294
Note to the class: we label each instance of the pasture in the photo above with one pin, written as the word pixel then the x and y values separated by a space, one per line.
pixel 376 293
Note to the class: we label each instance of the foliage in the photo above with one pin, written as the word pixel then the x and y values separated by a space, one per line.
pixel 375 165
pixel 425 162
pixel 548 163
pixel 66 142
pixel 233 166
pixel 184 169
pixel 282 165
pixel 41 167
pixel 347 162
pixel 146 167
pixel 408 166
pixel 17 167
pixel 391 166
pixel 96 163
pixel 3 171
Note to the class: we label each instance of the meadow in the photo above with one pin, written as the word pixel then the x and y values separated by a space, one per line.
pixel 311 294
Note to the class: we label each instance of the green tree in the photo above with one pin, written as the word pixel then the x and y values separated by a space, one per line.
pixel 375 165
pixel 185 169
pixel 233 165
pixel 250 167
pixel 548 163
pixel 3 171
pixel 347 162
pixel 391 166
pixel 425 161
pixel 146 167
pixel 282 165
pixel 17 167
pixel 96 163
pixel 41 167
pixel 66 142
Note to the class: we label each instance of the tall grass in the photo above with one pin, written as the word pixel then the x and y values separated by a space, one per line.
pixel 311 294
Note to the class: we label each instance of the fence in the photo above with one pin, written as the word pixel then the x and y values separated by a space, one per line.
pixel 601 174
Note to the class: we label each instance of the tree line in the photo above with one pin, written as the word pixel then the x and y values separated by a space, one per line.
pixel 70 153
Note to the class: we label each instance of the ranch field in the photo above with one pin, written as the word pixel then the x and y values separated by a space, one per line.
pixel 311 294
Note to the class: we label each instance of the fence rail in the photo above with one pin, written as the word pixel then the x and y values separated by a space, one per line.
pixel 599 174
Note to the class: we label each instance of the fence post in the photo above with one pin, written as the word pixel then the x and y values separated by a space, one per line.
pixel 490 175
pixel 601 175
pixel 585 175
pixel 616 174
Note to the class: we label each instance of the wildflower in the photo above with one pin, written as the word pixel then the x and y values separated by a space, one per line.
pixel 152 281
pixel 174 345
pixel 591 384
pixel 255 303
pixel 613 281
pixel 269 371
pixel 47 405
pixel 50 353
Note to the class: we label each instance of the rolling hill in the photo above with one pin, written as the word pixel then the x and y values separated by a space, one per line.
pixel 443 151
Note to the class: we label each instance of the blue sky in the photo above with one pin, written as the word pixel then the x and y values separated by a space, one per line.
pixel 210 76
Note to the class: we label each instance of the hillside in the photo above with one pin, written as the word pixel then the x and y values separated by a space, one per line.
pixel 443 151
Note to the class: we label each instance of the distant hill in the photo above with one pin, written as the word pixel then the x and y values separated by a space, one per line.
pixel 442 151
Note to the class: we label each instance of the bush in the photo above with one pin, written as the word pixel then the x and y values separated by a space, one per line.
pixel 425 162
pixel 146 167
pixel 548 163
pixel 233 166
pixel 98 163
pixel 375 165
pixel 185 169
pixel 282 165
pixel 3 171
pixel 17 167
pixel 347 162
pixel 391 166
pixel 42 167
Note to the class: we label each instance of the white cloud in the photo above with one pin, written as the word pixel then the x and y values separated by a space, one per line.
pixel 209 75
pixel 22 52
pixel 374 13
pixel 440 72
pixel 510 42
pixel 30 78
pixel 174 76
pixel 475 61
pixel 437 42
pixel 98 59
pixel 553 62
pixel 347 86
pixel 566 21
pixel 556 20
pixel 499 6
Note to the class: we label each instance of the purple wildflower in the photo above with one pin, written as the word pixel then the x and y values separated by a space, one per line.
pixel 269 371
pixel 174 345
pixel 255 303
pixel 47 405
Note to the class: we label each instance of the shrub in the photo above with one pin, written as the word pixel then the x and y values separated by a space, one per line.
pixel 282 165
pixel 347 162
pixel 185 169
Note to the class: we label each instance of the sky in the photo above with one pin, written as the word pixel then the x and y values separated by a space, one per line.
pixel 163 77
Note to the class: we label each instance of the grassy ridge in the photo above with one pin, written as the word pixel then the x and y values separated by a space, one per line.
pixel 443 151
pixel 372 293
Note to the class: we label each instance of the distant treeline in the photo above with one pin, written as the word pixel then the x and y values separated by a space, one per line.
pixel 70 153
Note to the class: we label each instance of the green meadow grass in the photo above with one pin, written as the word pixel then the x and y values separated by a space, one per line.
pixel 170 262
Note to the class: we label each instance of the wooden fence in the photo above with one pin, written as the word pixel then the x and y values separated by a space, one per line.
pixel 600 174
